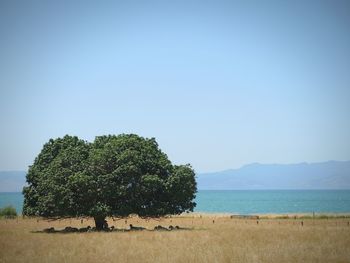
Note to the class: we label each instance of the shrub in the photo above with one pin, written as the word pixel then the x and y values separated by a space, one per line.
pixel 8 212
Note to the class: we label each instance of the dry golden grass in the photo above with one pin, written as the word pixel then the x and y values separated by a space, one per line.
pixel 226 240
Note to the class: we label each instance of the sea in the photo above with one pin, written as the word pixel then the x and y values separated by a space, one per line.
pixel 248 202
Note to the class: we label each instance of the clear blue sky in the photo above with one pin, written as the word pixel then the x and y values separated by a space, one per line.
pixel 218 83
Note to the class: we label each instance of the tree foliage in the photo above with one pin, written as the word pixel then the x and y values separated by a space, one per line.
pixel 113 176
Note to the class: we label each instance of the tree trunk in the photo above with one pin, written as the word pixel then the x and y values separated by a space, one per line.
pixel 101 223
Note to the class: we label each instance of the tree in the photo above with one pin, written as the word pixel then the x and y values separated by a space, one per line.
pixel 113 176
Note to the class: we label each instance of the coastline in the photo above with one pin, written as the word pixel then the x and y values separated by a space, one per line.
pixel 310 215
pixel 266 204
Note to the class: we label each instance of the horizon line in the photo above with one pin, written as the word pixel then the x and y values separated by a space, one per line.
pixel 240 167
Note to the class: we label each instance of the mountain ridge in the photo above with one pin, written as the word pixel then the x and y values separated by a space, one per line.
pixel 320 175
pixel 253 176
pixel 12 181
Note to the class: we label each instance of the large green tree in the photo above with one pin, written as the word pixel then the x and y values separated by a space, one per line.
pixel 113 176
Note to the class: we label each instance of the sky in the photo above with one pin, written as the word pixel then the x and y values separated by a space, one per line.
pixel 219 84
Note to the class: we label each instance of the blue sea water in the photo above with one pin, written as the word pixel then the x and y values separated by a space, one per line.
pixel 250 201
pixel 14 199
pixel 273 201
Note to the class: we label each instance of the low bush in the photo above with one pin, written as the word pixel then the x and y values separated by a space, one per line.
pixel 8 212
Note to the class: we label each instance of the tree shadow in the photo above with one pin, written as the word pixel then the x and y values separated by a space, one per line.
pixel 88 229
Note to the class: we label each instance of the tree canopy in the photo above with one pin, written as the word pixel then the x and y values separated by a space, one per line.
pixel 113 176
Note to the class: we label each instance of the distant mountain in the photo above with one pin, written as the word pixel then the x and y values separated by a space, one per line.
pixel 12 181
pixel 325 175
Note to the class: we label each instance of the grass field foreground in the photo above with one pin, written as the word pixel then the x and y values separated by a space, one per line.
pixel 212 238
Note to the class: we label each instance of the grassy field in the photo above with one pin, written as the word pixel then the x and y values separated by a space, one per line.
pixel 224 240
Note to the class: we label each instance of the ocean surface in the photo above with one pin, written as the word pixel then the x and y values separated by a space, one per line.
pixel 250 201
